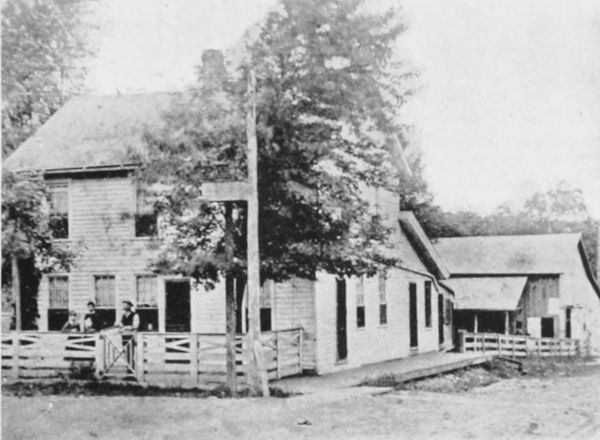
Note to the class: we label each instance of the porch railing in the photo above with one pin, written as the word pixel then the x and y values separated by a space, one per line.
pixel 196 358
pixel 521 346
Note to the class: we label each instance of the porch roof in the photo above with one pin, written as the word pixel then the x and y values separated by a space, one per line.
pixel 487 293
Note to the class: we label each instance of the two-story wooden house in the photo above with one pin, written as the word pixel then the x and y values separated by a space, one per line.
pixel 83 152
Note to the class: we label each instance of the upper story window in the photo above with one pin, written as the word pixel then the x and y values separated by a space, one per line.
pixel 59 211
pixel 360 302
pixel 146 218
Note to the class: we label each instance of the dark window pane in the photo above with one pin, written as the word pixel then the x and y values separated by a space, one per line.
pixel 265 320
pixel 106 317
pixel 360 316
pixel 57 318
pixel 145 225
pixel 59 225
pixel 148 319
pixel 383 314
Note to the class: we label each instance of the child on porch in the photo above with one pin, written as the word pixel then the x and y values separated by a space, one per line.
pixel 72 325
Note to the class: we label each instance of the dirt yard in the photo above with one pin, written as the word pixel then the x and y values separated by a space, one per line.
pixel 541 407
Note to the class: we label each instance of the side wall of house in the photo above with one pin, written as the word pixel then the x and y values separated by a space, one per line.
pixel 373 342
pixel 584 302
pixel 292 305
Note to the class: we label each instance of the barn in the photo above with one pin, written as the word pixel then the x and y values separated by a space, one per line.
pixel 539 285
pixel 344 323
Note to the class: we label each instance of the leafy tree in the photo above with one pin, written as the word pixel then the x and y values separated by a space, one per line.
pixel 43 45
pixel 27 245
pixel 326 90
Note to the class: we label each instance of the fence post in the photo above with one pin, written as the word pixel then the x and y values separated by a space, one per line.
pixel 99 361
pixel 461 341
pixel 140 354
pixel 514 342
pixel 194 367
pixel 277 354
pixel 499 345
pixel 300 348
pixel 16 353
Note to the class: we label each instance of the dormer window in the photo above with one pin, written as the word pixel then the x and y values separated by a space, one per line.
pixel 59 211
pixel 146 218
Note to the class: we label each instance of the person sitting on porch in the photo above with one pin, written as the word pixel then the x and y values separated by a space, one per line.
pixel 91 320
pixel 130 322
pixel 72 324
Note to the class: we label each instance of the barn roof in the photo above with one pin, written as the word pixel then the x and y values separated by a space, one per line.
pixel 508 254
pixel 487 293
pixel 514 255
pixel 91 131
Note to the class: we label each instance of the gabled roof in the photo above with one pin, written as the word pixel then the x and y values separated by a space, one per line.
pixel 419 240
pixel 507 254
pixel 487 293
pixel 514 255
pixel 91 131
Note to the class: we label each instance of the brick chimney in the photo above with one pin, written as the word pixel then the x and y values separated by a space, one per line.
pixel 212 69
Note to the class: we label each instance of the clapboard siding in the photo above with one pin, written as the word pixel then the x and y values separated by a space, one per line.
pixel 101 232
pixel 373 342
pixel 294 306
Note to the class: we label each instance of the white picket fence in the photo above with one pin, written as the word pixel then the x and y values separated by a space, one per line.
pixel 520 346
pixel 162 358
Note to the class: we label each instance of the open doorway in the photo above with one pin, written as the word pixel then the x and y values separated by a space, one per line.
pixel 178 310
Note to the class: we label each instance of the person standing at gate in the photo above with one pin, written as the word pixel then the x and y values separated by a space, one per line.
pixel 129 323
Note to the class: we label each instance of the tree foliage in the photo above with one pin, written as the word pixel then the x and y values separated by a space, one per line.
pixel 27 237
pixel 326 90
pixel 43 45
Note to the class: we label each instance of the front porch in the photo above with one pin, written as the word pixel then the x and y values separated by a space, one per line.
pixel 176 359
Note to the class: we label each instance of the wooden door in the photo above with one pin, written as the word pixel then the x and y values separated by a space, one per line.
pixel 441 318
pixel 178 310
pixel 341 324
pixel 547 327
pixel 414 324
pixel 568 322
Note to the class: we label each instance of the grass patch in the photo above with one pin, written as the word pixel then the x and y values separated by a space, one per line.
pixel 98 388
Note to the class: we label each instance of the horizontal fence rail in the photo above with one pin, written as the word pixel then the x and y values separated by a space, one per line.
pixel 521 346
pixel 172 358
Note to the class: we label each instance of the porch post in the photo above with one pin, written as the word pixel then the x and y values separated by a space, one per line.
pixel 475 323
pixel 16 353
pixel 506 322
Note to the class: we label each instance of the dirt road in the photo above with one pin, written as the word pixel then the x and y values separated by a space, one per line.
pixel 566 407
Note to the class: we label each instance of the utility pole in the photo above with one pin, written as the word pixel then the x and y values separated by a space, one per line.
pixel 257 380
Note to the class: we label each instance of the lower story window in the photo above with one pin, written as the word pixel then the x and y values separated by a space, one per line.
pixel 266 298
pixel 147 304
pixel 360 302
pixel 58 307
pixel 104 287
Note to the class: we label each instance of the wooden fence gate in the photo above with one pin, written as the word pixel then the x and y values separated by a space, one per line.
pixel 161 358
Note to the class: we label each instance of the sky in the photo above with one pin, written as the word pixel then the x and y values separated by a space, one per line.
pixel 509 92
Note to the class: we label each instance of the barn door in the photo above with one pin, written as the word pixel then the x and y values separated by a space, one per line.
pixel 414 326
pixel 441 318
pixel 341 325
